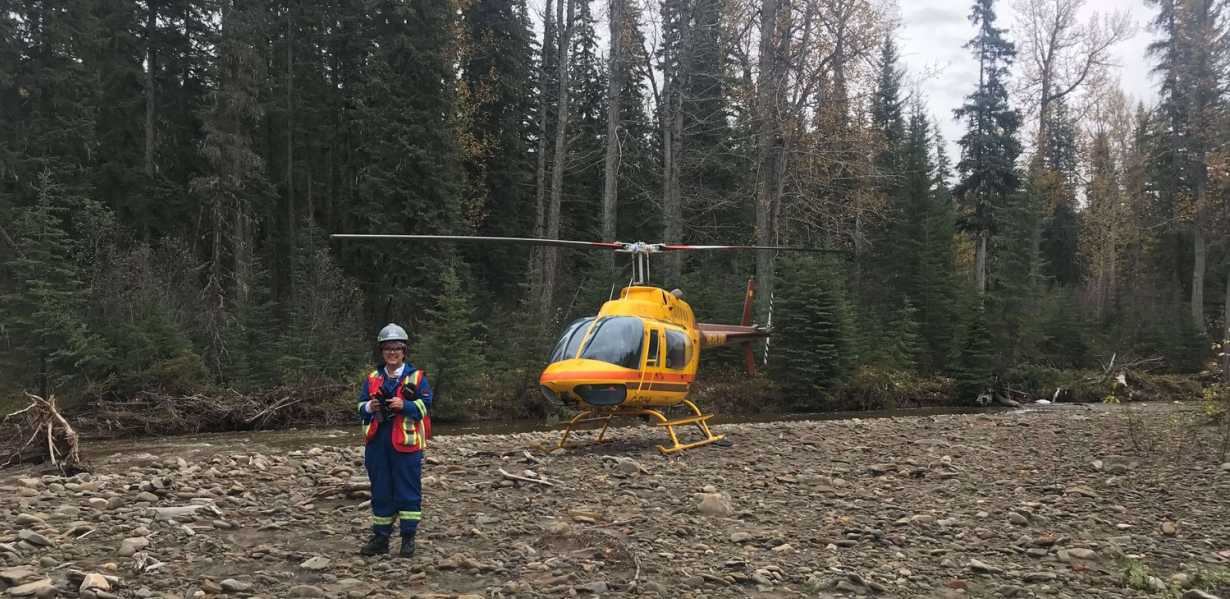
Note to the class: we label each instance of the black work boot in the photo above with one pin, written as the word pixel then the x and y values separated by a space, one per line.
pixel 379 543
pixel 407 545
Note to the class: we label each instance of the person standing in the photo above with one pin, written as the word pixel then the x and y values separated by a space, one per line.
pixel 393 403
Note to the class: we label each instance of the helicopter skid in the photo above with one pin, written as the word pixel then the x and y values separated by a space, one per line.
pixel 607 414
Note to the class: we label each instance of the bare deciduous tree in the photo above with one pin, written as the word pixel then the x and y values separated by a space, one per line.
pixel 1061 54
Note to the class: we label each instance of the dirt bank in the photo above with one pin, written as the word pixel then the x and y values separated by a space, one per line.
pixel 1058 502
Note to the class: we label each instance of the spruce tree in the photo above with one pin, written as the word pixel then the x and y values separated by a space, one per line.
pixel 45 345
pixel 989 148
pixel 449 350
pixel 495 103
pixel 973 368
pixel 811 351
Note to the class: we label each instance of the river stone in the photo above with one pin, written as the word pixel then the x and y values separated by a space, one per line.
pixel 231 585
pixel 305 590
pixel 1198 594
pixel 146 496
pixel 713 504
pixel 978 566
pixel 316 563
pixel 25 519
pixel 94 581
pixel 131 545
pixel 34 538
pixel 98 503
pixel 16 576
pixel 39 588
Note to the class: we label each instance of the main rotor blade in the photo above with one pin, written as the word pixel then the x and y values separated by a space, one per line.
pixel 509 240
pixel 750 247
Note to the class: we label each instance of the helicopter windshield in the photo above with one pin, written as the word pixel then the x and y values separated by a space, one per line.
pixel 569 342
pixel 616 340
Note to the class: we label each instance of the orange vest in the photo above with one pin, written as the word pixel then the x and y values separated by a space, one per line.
pixel 409 435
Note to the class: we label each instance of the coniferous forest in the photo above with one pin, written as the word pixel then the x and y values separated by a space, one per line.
pixel 170 172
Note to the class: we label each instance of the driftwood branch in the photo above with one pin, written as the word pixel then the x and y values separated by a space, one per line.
pixel 53 439
pixel 525 479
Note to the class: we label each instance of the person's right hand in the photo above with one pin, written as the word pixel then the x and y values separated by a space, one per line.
pixel 372 406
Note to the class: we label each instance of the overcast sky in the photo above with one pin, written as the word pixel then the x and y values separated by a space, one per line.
pixel 933 32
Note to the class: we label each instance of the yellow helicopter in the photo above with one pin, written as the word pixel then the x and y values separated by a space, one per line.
pixel 639 355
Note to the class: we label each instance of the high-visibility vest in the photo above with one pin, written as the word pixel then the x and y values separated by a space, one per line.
pixel 409 435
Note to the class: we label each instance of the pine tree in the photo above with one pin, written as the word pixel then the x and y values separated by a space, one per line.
pixel 812 350
pixel 450 351
pixel 989 146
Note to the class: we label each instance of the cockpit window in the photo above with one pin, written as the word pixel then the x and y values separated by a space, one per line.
pixel 569 342
pixel 616 340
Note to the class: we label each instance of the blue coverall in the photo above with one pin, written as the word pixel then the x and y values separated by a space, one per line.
pixel 396 477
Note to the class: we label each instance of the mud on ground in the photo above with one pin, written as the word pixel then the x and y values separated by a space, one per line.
pixel 1061 502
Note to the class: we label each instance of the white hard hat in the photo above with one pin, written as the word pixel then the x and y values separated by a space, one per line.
pixel 392 332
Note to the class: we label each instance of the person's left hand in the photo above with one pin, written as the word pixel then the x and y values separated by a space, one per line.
pixel 396 403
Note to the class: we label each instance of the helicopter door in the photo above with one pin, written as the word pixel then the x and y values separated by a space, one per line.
pixel 653 354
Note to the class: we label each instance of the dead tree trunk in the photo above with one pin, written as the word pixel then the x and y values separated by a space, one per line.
pixel 551 255
pixel 540 173
pixel 610 188
pixel 1225 334
pixel 770 150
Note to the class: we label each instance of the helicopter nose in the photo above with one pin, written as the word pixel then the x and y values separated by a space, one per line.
pixel 590 381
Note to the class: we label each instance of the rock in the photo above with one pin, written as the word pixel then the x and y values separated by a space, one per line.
pixel 597 587
pixel 95 581
pixel 131 545
pixel 713 504
pixel 628 467
pixel 1198 594
pixel 986 568
pixel 16 576
pixel 147 497
pixel 39 588
pixel 231 585
pixel 34 538
pixel 655 587
pixel 305 590
pixel 66 512
pixel 740 537
pixel 24 519
pixel 845 586
pixel 1225 467
pixel 1033 577
pixel 1077 553
pixel 948 522
pixel 1017 519
pixel 317 563
pixel 1083 491
pixel 98 503
pixel 1168 528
